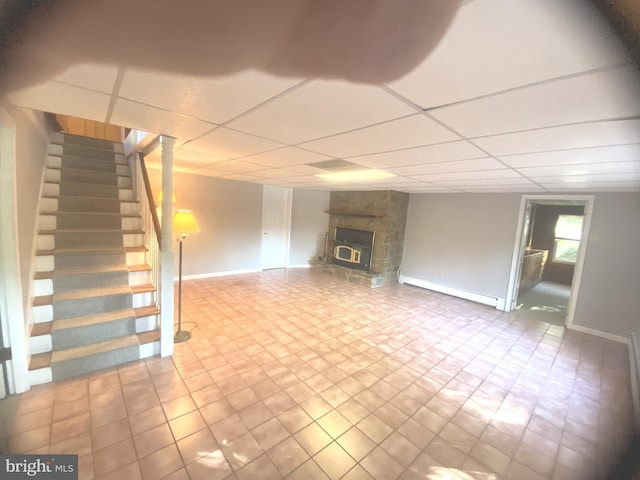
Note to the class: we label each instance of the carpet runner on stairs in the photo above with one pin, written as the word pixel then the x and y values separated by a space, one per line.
pixel 92 316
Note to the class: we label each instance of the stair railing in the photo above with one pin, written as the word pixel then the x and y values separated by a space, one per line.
pixel 150 222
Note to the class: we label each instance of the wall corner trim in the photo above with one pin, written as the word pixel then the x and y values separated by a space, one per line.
pixel 634 363
pixel 474 297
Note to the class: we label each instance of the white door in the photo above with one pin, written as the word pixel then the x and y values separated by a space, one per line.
pixel 276 226
pixel 526 227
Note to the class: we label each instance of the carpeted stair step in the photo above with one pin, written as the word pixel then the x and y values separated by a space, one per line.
pixel 93 220
pixel 89 164
pixel 88 176
pixel 88 151
pixel 75 203
pixel 89 189
pixel 88 258
pixel 87 329
pixel 96 143
pixel 77 303
pixel 81 360
pixel 88 238
pixel 66 281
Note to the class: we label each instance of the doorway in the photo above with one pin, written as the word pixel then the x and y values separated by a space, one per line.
pixel 276 227
pixel 548 257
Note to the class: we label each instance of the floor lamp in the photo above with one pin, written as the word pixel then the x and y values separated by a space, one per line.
pixel 184 223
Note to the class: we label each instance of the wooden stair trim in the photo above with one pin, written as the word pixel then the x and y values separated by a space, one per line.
pixel 43 328
pixel 149 336
pixel 40 360
pixel 147 311
pixel 146 288
pixel 139 268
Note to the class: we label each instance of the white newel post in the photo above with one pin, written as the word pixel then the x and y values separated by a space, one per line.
pixel 166 250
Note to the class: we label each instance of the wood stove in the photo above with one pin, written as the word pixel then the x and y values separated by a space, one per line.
pixel 352 248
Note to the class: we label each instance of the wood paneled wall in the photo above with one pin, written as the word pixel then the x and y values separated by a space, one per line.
pixel 89 128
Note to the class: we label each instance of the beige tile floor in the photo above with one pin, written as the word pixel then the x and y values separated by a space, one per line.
pixel 297 375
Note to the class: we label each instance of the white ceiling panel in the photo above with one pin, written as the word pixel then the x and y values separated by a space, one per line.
pixel 444 152
pixel 614 153
pixel 486 182
pixel 445 177
pixel 518 91
pixel 285 157
pixel 143 117
pixel 230 144
pixel 413 131
pixel 483 52
pixel 593 187
pixel 100 78
pixel 602 95
pixel 227 96
pixel 237 166
pixel 582 169
pixel 448 167
pixel 65 99
pixel 594 178
pixel 582 135
pixel 319 109
pixel 505 188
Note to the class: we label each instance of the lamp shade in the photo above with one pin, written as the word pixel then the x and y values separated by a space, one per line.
pixel 184 222
pixel 160 197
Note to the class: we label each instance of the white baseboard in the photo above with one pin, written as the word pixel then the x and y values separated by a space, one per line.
pixel 300 265
pixel 599 333
pixel 474 297
pixel 218 274
pixel 634 361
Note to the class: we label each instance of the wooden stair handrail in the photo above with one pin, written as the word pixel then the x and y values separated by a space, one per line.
pixel 152 204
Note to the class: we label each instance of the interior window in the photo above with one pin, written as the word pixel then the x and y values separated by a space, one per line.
pixel 568 233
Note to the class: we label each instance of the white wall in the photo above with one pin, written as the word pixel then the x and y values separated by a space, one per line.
pixel 309 224
pixel 465 242
pixel 31 152
pixel 610 290
pixel 230 217
pixel 461 241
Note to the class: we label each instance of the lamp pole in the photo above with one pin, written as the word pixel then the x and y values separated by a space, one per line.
pixel 180 336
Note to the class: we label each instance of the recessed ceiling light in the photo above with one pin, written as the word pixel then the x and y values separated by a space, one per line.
pixel 355 175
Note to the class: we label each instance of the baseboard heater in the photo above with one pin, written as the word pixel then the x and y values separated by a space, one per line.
pixel 634 360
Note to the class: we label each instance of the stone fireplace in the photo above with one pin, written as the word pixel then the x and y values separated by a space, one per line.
pixel 384 214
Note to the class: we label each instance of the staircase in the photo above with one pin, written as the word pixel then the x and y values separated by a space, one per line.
pixel 94 306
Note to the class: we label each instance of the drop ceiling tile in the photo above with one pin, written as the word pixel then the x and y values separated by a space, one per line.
pixel 215 99
pixel 486 182
pixel 448 167
pixel 305 169
pixel 284 157
pixel 594 187
pixel 613 153
pixel 319 109
pixel 483 53
pixel 444 152
pixel 413 131
pixel 230 144
pixel 212 171
pixel 92 76
pixel 64 99
pixel 389 181
pixel 237 166
pixel 196 157
pixel 505 188
pixel 150 119
pixel 592 134
pixel 243 177
pixel 444 177
pixel 423 188
pixel 582 169
pixel 275 173
pixel 595 96
pixel 594 178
